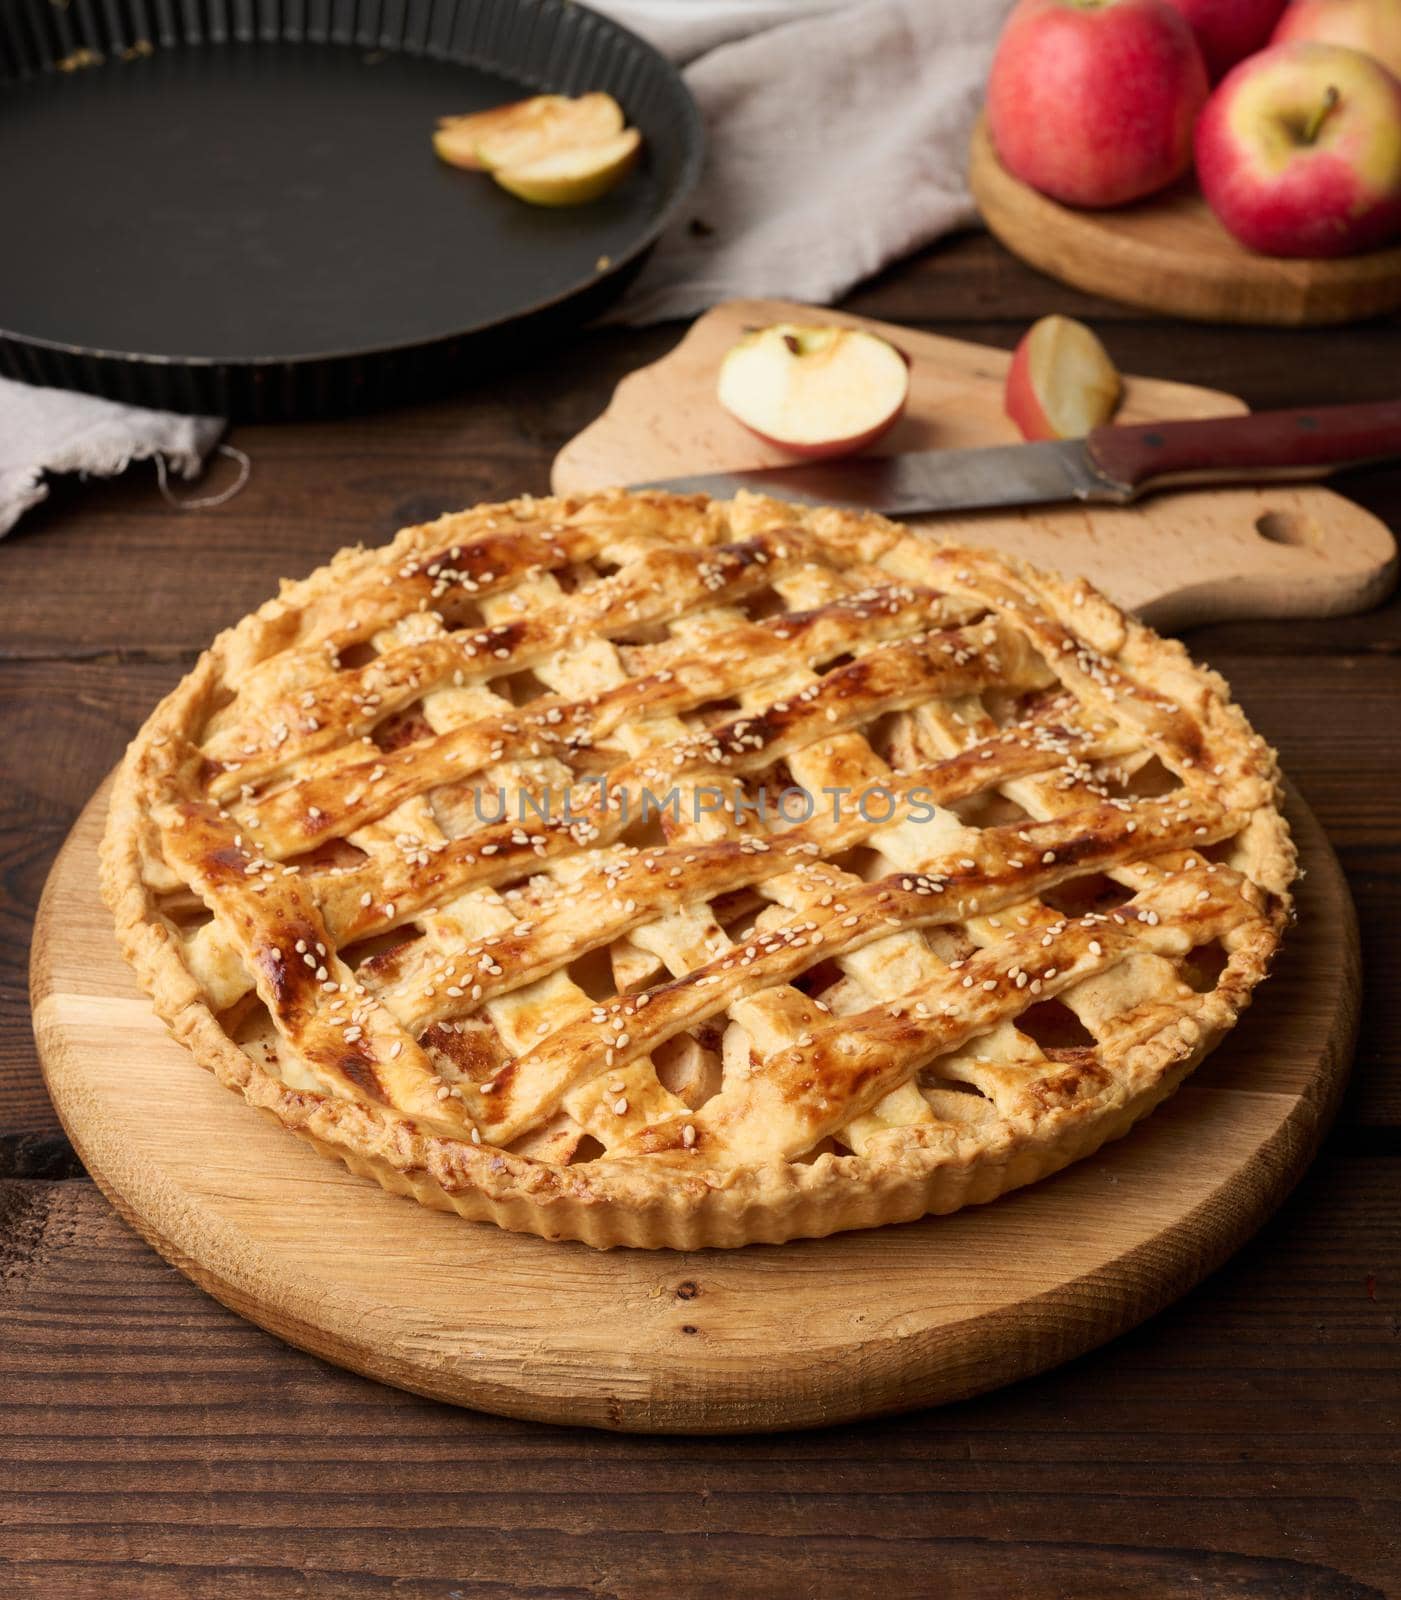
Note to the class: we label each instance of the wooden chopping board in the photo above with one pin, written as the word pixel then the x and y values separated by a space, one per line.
pixel 1200 555
pixel 1169 253
pixel 811 1332
pixel 817 1331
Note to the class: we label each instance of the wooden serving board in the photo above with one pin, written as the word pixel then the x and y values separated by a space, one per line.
pixel 1169 253
pixel 767 1337
pixel 1199 555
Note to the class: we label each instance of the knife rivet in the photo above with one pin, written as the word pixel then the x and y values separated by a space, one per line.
pixel 1307 421
pixel 1154 439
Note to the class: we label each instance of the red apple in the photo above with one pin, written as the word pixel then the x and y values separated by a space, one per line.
pixel 1372 26
pixel 1229 30
pixel 1093 101
pixel 1061 382
pixel 814 391
pixel 1299 151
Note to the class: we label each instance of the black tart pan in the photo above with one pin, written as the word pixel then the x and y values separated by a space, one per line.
pixel 233 207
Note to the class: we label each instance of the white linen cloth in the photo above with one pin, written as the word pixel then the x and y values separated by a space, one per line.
pixel 837 140
pixel 55 430
pixel 837 135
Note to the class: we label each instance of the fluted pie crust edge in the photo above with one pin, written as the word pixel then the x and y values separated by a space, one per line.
pixel 668 1192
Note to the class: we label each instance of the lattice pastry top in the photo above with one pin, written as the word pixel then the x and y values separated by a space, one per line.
pixel 646 870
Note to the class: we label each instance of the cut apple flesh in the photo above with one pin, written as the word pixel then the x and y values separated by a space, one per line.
pixel 562 124
pixel 1061 383
pixel 814 391
pixel 457 138
pixel 575 175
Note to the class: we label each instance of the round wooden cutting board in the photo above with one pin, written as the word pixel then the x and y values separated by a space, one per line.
pixel 1169 253
pixel 767 1337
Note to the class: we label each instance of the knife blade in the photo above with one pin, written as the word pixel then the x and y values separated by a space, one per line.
pixel 922 480
pixel 1111 465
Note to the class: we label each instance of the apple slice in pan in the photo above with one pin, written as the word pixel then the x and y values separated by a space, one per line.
pixel 457 138
pixel 1061 382
pixel 550 150
pixel 590 119
pixel 575 174
pixel 815 391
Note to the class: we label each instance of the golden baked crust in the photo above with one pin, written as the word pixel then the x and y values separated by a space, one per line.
pixel 1022 866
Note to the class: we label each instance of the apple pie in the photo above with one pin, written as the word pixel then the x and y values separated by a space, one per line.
pixel 648 870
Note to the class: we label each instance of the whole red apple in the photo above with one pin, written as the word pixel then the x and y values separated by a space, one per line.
pixel 1093 101
pixel 1229 30
pixel 1299 151
pixel 1373 26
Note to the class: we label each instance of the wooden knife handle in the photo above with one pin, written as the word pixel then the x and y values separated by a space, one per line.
pixel 1264 445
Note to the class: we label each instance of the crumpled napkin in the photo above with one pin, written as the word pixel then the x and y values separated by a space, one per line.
pixel 837 140
pixel 56 430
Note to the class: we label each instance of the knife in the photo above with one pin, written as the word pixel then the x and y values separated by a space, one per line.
pixel 1111 465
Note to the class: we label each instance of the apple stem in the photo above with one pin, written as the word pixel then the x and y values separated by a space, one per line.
pixel 791 341
pixel 1314 125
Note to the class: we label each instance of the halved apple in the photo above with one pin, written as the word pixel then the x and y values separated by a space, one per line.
pixel 457 138
pixel 1061 382
pixel 591 119
pixel 575 174
pixel 817 391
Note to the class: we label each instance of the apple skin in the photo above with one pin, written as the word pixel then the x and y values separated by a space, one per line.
pixel 1283 195
pixel 1372 26
pixel 1058 348
pixel 829 448
pixel 1092 101
pixel 1229 30
pixel 1019 397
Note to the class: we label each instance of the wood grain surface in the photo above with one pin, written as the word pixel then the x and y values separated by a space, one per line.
pixel 713 1341
pixel 153 1446
pixel 1178 559
pixel 1169 253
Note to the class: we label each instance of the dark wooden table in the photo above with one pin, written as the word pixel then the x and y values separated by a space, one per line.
pixel 1244 1443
